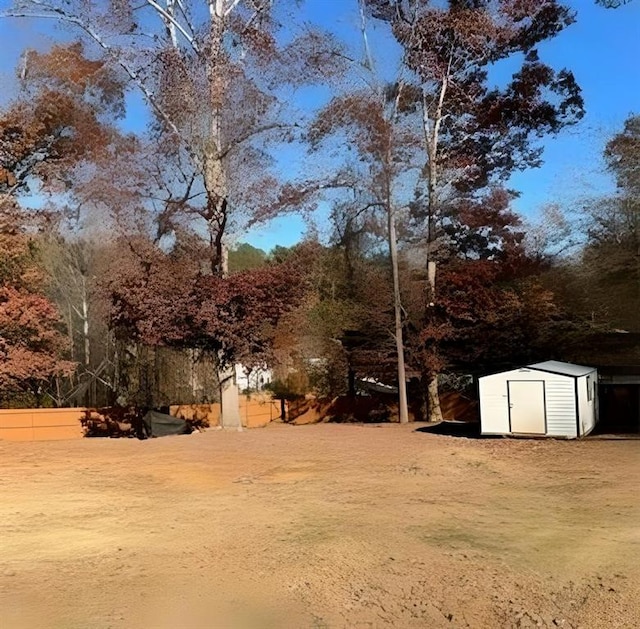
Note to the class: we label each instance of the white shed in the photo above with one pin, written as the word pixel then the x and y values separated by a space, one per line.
pixel 551 398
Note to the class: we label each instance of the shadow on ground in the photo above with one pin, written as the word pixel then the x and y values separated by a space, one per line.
pixel 612 436
pixel 470 430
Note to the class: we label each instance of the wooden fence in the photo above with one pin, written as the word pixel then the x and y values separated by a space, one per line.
pixel 50 424
pixel 41 424
pixel 256 410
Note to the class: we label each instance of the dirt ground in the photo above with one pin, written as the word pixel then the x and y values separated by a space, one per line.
pixel 319 526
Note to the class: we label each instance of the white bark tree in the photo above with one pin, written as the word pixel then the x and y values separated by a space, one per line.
pixel 392 238
pixel 68 268
pixel 211 72
pixel 474 136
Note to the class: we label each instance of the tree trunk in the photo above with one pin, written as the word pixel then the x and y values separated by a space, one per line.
pixel 215 172
pixel 229 396
pixel 85 325
pixel 386 159
pixel 434 412
pixel 433 395
pixel 194 380
pixel 71 333
pixel 397 307
pixel 215 181
pixel 229 400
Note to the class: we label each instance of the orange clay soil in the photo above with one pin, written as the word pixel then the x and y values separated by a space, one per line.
pixel 319 526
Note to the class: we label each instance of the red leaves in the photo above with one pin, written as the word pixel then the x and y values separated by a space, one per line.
pixel 237 315
pixel 482 319
pixel 31 344
pixel 489 307
pixel 162 299
pixel 148 291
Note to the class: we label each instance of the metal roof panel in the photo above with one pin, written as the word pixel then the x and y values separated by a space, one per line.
pixel 565 369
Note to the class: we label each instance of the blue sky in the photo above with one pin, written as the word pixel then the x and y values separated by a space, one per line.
pixel 602 49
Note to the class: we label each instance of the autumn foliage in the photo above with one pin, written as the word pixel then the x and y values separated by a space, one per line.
pixel 57 122
pixel 419 159
pixel 169 299
pixel 32 347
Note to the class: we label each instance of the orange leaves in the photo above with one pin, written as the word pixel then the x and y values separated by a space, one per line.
pixel 66 69
pixel 352 109
pixel 7 178
pixel 66 64
pixel 28 318
pixel 31 343
pixel 180 92
pixel 312 57
pixel 58 120
pixel 258 41
pixel 361 118
pixel 22 368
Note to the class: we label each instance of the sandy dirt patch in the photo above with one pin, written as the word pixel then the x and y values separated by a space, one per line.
pixel 319 526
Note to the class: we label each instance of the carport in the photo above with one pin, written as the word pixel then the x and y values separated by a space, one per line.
pixel 619 395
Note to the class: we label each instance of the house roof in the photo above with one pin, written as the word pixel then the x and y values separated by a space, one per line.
pixel 565 369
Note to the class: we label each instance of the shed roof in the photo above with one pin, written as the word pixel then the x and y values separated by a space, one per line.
pixel 566 369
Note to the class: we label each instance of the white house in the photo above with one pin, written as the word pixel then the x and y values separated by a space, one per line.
pixel 551 398
pixel 252 379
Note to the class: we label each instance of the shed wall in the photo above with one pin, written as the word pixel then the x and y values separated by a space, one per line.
pixel 561 406
pixel 559 396
pixel 587 388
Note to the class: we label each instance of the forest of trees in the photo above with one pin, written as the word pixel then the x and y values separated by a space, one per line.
pixel 124 277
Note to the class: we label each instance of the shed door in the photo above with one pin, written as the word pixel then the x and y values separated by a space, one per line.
pixel 526 407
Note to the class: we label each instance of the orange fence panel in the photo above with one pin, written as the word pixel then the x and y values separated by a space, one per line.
pixel 41 424
pixel 208 412
pixel 256 410
pixel 50 424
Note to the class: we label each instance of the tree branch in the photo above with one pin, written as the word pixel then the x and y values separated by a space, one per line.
pixel 250 134
pixel 172 20
pixel 59 14
pixel 186 17
pixel 231 7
